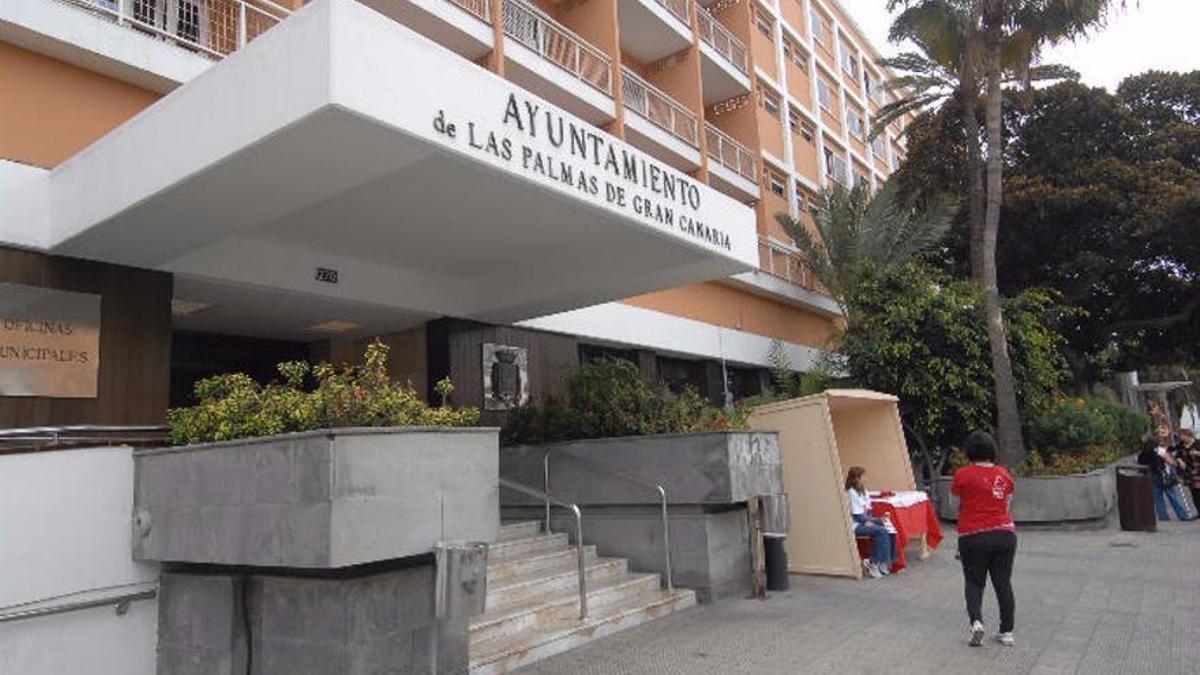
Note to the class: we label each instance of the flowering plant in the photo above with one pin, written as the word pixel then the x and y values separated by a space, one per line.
pixel 232 406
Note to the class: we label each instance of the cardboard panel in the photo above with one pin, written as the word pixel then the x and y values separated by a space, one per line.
pixel 820 540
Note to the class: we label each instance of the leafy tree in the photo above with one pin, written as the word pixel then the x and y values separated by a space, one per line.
pixel 854 229
pixel 921 336
pixel 995 38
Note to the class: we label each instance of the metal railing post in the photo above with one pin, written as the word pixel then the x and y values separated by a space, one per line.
pixel 580 551
pixel 666 525
pixel 241 25
pixel 579 556
pixel 546 487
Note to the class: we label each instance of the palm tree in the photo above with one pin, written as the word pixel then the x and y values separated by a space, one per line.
pixel 966 45
pixel 945 69
pixel 1014 31
pixel 854 230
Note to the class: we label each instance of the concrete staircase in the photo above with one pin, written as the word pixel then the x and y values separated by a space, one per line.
pixel 533 599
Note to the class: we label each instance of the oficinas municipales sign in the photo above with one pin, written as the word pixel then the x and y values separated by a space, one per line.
pixel 589 162
pixel 49 342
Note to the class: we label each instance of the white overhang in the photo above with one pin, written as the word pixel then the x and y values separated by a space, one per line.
pixel 343 140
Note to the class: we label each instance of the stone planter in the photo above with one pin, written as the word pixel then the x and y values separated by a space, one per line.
pixel 708 478
pixel 1050 499
pixel 317 500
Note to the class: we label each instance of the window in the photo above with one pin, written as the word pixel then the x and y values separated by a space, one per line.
pixel 824 95
pixel 849 60
pixel 855 123
pixel 800 126
pixel 792 53
pixel 877 146
pixel 775 180
pixel 819 30
pixel 835 166
pixel 764 23
pixel 801 199
pixel 770 102
pixel 860 178
pixel 895 161
pixel 794 121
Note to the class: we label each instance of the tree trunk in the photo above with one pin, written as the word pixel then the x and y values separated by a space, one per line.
pixel 1008 416
pixel 969 115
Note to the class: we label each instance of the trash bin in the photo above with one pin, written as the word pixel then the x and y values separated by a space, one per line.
pixel 1135 499
pixel 775 518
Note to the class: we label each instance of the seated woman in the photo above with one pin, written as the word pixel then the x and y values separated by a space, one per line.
pixel 883 547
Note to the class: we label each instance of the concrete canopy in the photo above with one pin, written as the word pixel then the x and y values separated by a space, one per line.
pixel 342 140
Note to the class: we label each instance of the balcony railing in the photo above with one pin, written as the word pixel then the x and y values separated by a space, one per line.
pixel 719 38
pixel 652 103
pixel 215 28
pixel 790 266
pixel 557 44
pixel 677 7
pixel 482 9
pixel 730 153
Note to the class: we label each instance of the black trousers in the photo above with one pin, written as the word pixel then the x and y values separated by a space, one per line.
pixel 989 554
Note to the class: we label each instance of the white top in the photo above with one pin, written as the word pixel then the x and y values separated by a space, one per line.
pixel 860 502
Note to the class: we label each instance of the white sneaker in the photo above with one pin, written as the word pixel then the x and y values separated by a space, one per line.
pixel 873 570
pixel 885 569
pixel 1005 639
pixel 976 634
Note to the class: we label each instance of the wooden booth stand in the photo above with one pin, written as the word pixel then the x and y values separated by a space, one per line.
pixel 820 438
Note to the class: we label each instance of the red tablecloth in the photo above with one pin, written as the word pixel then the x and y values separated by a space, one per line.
pixel 911 522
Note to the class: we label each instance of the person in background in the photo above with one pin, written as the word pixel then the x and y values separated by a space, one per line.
pixel 1164 468
pixel 1188 451
pixel 883 548
pixel 987 536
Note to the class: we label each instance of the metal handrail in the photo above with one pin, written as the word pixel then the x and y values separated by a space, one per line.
pixel 75 606
pixel 215 28
pixel 679 8
pixel 721 146
pixel 662 495
pixel 52 436
pixel 557 44
pixel 659 108
pixel 481 9
pixel 795 267
pixel 579 551
pixel 717 36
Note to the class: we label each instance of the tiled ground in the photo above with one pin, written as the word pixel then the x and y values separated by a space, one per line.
pixel 1087 602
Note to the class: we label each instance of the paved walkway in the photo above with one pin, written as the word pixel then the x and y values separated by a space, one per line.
pixel 1087 602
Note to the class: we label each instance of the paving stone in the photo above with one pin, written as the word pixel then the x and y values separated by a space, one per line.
pixel 1088 601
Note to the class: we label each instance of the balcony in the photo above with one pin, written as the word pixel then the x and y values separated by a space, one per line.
pixel 654 29
pixel 551 61
pixel 725 63
pixel 462 26
pixel 732 168
pixel 779 262
pixel 214 28
pixel 661 125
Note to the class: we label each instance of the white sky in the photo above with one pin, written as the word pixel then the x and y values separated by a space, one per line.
pixel 1149 34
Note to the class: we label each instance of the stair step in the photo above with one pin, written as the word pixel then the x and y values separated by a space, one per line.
pixel 500 571
pixel 502 654
pixel 543 611
pixel 520 530
pixel 516 548
pixel 543 585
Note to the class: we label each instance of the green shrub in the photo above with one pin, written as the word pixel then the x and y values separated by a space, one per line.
pixel 610 398
pixel 1072 425
pixel 235 406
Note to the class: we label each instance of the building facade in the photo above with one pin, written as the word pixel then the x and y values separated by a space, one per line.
pixel 533 182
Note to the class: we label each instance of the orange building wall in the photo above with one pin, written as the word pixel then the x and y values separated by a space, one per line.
pixel 722 305
pixel 49 110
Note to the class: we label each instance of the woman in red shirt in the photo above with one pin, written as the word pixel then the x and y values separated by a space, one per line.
pixel 987 537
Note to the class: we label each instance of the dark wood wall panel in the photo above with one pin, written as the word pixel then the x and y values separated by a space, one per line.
pixel 135 341
pixel 456 349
